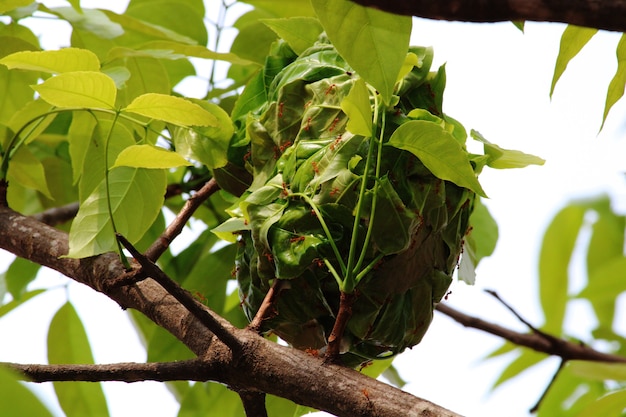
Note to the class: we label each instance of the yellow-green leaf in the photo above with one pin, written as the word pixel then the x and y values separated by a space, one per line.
pixel 359 110
pixel 373 42
pixel 616 87
pixel 439 151
pixel 554 259
pixel 572 41
pixel 300 32
pixel 171 109
pixel 598 371
pixel 148 156
pixel 500 158
pixel 410 61
pixel 63 60
pixel 68 343
pixel 136 198
pixel 26 170
pixel 86 89
pixel 7 5
pixel 612 404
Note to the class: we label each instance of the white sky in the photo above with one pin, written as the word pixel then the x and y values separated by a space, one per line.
pixel 498 83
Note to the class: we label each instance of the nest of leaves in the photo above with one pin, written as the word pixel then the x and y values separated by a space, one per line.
pixel 348 195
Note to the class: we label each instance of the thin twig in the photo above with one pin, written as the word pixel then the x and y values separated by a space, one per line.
pixel 189 370
pixel 175 228
pixel 520 318
pixel 266 310
pixel 346 301
pixel 564 348
pixel 200 311
pixel 535 407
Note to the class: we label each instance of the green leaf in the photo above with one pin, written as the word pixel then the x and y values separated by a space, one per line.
pixel 605 253
pixel 228 230
pixel 208 145
pixel 605 282
pixel 68 344
pixel 479 242
pixel 610 405
pixel 8 5
pixel 299 32
pixel 16 400
pixel 175 50
pixel 149 156
pixel 500 158
pixel 86 89
pixel 188 22
pixel 63 60
pixel 527 359
pixel 439 151
pixel 171 109
pixel 572 41
pixel 20 273
pixel 210 400
pixel 359 109
pixel 373 42
pixel 93 21
pixel 32 113
pixel 598 371
pixel 13 304
pixel 554 259
pixel 26 170
pixel 136 199
pixel 616 87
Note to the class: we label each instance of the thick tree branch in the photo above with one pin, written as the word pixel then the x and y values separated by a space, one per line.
pixel 565 349
pixel 608 15
pixel 261 366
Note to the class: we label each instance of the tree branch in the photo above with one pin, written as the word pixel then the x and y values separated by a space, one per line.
pixel 189 370
pixel 191 205
pixel 607 15
pixel 552 345
pixel 261 366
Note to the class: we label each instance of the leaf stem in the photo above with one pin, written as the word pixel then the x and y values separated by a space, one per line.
pixel 349 281
pixel 370 225
pixel 108 191
pixel 329 236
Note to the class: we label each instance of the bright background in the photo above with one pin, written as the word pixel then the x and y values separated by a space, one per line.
pixel 498 83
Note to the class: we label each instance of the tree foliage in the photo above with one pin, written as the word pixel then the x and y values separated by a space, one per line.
pixel 326 173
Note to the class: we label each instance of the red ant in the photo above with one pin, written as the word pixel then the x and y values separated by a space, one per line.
pixel 315 167
pixel 330 89
pixel 334 124
pixel 336 142
pixel 281 105
pixel 297 239
pixel 308 124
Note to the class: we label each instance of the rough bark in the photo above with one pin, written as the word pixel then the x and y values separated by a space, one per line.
pixel 608 15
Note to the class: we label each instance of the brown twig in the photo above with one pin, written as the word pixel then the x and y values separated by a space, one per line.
pixel 563 348
pixel 535 407
pixel 189 370
pixel 191 205
pixel 148 268
pixel 266 310
pixel 543 334
pixel 346 301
